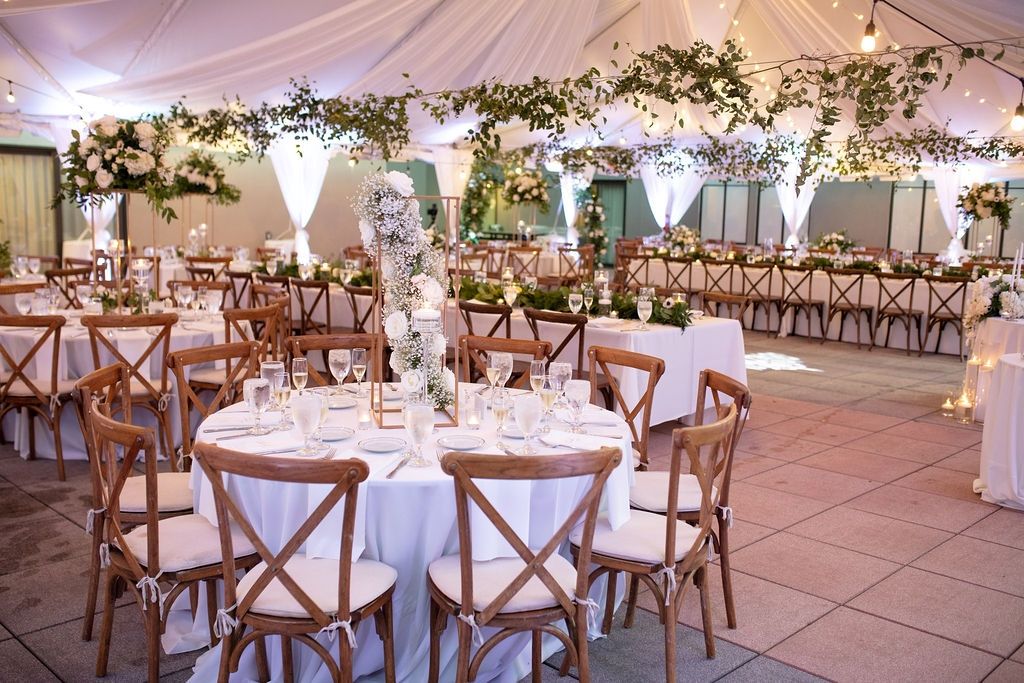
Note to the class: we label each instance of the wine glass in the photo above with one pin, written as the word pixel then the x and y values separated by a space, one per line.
pixel 300 374
pixel 359 368
pixel 588 298
pixel 502 361
pixel 510 292
pixel 306 413
pixel 558 375
pixel 577 393
pixel 197 302
pixel 527 410
pixel 419 422
pixel 575 302
pixel 500 405
pixel 537 373
pixel 214 299
pixel 282 392
pixel 268 371
pixel 20 266
pixel 184 296
pixel 644 308
pixel 339 361
pixel 548 395
pixel 83 292
pixel 256 392
pixel 34 265
pixel 530 282
pixel 272 266
pixel 23 302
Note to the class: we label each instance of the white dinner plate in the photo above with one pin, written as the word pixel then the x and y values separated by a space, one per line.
pixel 460 442
pixel 341 402
pixel 382 444
pixel 336 433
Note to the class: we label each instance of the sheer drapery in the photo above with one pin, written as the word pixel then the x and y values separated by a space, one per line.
pixel 670 197
pixel 452 167
pixel 949 182
pixel 300 167
pixel 795 202
pixel 26 191
pixel 570 183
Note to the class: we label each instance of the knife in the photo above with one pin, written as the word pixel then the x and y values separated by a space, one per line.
pixel 225 429
pixel 399 466
pixel 233 436
pixel 506 450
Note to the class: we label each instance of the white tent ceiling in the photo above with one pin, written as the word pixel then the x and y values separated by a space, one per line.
pixel 89 57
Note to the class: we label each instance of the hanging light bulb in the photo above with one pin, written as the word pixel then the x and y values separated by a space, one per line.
pixel 622 140
pixel 10 93
pixel 351 162
pixel 867 43
pixel 1017 122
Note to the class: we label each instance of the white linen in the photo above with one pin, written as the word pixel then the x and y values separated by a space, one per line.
pixel 950 181
pixel 795 202
pixel 670 197
pixel 994 338
pixel 300 167
pixel 1001 479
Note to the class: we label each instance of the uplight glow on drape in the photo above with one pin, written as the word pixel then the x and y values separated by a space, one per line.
pixel 949 183
pixel 670 197
pixel 795 202
pixel 570 185
pixel 300 167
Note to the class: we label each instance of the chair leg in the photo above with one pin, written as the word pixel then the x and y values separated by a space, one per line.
pixel 57 446
pixel 668 618
pixel 286 659
pixel 821 325
pixel 465 643
pixel 570 628
pixel 582 647
pixel 94 579
pixel 31 434
pixel 102 654
pixel 634 588
pixel 211 607
pixel 705 611
pixel 723 558
pixel 538 659
pixel 384 619
pixel 436 627
pixel 262 668
pixel 153 642
pixel 609 607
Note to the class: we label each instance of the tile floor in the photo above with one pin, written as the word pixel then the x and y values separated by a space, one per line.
pixel 860 552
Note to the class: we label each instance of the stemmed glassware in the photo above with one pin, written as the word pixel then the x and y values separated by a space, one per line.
pixel 306 412
pixel 548 395
pixel 577 393
pixel 359 369
pixel 588 298
pixel 339 360
pixel 300 374
pixel 272 266
pixel 500 405
pixel 528 409
pixel 268 371
pixel 198 299
pixel 23 302
pixel 34 265
pixel 419 422
pixel 510 292
pixel 282 392
pixel 184 295
pixel 503 362
pixel 256 392
pixel 20 266
pixel 537 373
pixel 575 301
pixel 214 299
pixel 558 375
pixel 644 308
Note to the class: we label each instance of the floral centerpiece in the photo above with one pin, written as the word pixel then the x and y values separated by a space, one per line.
pixel 986 200
pixel 590 222
pixel 199 173
pixel 991 296
pixel 835 241
pixel 526 187
pixel 413 275
pixel 681 237
pixel 118 155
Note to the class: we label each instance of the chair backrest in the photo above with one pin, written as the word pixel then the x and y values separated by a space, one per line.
pixel 201 273
pixel 716 386
pixel 313 295
pixel 241 361
pixel 574 325
pixel 503 312
pixel 605 360
pixel 845 287
pixel 19 364
pixel 946 297
pixel 215 263
pixel 495 261
pixel 635 271
pixel 72 262
pixel 524 261
pixel 360 298
pixel 718 276
pixel 735 304
pixel 342 476
pixel 172 286
pixel 257 325
pixel 467 467
pixel 240 283
pixel 795 281
pixel 105 390
pixel 13 288
pixel 98 325
pixel 46 262
pixel 707 446
pixel 896 293
pixel 64 279
pixel 757 279
pixel 679 274
pixel 473 351
pixel 301 346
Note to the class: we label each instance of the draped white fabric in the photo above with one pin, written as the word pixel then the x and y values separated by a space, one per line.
pixel 452 167
pixel 795 202
pixel 670 197
pixel 300 167
pixel 949 182
pixel 570 184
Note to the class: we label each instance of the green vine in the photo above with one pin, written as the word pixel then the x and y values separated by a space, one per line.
pixel 478 198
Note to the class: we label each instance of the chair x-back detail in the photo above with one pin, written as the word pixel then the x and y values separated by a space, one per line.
pixel 503 313
pixel 360 300
pixel 575 264
pixel 524 261
pixel 757 280
pixel 15 288
pixel 575 327
pixel 65 279
pixel 473 351
pixel 845 298
pixel 313 297
pixel 798 296
pixel 301 346
pixel 946 298
pixel 255 324
pixel 636 271
pixel 718 276
pixel 679 275
pixel 240 283
pixel 603 361
pixel 736 305
pixel 172 286
pixel 893 290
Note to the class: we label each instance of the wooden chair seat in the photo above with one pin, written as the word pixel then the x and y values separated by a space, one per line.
pixel 206 377
pixel 186 542
pixel 174 494
pixel 19 389
pixel 640 539
pixel 318 577
pixel 491 576
pixel 852 307
pixel 650 492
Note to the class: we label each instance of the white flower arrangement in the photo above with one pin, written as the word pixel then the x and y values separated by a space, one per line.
pixel 836 241
pixel 413 274
pixel 1011 305
pixel 590 222
pixel 199 173
pixel 985 301
pixel 526 187
pixel 681 237
pixel 986 200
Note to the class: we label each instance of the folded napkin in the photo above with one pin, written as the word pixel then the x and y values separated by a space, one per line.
pixel 605 322
pixel 589 442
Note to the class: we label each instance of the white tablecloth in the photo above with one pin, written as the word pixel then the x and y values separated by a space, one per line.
pixel 995 338
pixel 407 522
pixel 1002 444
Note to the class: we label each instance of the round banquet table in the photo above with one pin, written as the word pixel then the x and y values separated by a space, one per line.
pixel 1001 478
pixel 407 522
pixel 75 360
pixel 995 337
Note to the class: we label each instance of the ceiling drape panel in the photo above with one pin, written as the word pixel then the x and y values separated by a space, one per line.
pixel 949 183
pixel 570 184
pixel 96 217
pixel 452 167
pixel 795 201
pixel 300 167
pixel 670 197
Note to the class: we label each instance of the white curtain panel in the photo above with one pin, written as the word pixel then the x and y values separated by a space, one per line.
pixel 300 167
pixel 452 167
pixel 795 202
pixel 570 184
pixel 670 197
pixel 949 182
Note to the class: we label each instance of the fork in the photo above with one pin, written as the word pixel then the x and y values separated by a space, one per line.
pixel 329 454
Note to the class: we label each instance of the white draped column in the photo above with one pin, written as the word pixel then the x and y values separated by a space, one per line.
pixel 795 201
pixel 669 197
pixel 300 167
pixel 949 183
pixel 570 183
pixel 452 167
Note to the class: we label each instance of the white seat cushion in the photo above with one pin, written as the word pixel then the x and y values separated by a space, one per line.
pixel 650 492
pixel 19 388
pixel 636 459
pixel 172 493
pixel 319 579
pixel 490 578
pixel 641 539
pixel 186 542
pixel 208 376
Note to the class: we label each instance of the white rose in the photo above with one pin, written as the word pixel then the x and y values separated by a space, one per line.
pixel 144 130
pixel 396 325
pixel 104 178
pixel 81 181
pixel 449 378
pixel 366 232
pixel 411 381
pixel 106 125
pixel 439 345
pixel 400 182
pixel 515 197
pixel 211 185
pixel 432 292
pixel 86 145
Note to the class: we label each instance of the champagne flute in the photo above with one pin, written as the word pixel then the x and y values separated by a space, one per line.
pixel 419 422
pixel 500 404
pixel 359 368
pixel 548 395
pixel 644 308
pixel 306 410
pixel 577 393
pixel 339 361
pixel 300 373
pixel 588 298
pixel 282 392
pixel 256 392
pixel 575 302
pixel 537 373
pixel 325 407
pixel 527 410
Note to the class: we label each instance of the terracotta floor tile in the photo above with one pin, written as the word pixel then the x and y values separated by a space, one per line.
pixel 744 533
pixel 1019 655
pixel 938 418
pixel 928 400
pixel 939 512
pixel 786 406
pixel 826 571
pixel 773 509
pixel 1004 526
pixel 814 430
pixel 942 482
pixel 759 419
pixel 856 418
pixel 904 448
pixel 884 537
pixel 969 614
pixel 828 487
pixel 975 561
pixel 968 460
pixel 780 446
pixel 1008 672
pixel 943 434
pixel 745 465
pixel 870 466
pixel 846 645
pixel 892 408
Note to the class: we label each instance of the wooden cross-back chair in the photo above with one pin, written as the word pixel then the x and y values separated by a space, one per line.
pixel 217 264
pixel 757 280
pixel 496 261
pixel 241 361
pixel 258 325
pixel 240 283
pixel 136 560
pixel 794 279
pixel 15 288
pixel 679 275
pixel 46 262
pixel 360 300
pixel 283 595
pixel 172 286
pixel 356 253
pixel 301 346
pixel 65 279
pixel 480 594
pixel 72 262
pixel 650 489
pixel 945 308
pixel 41 396
pixel 272 295
pixel 503 313
pixel 313 295
pixel 892 289
pixel 154 397
pixel 575 326
pixel 524 262
pixel 736 305
pixel 718 276
pixel 474 262
pixel 604 361
pixel 201 273
pixel 845 298
pixel 266 253
pixel 664 552
pixel 635 271
pixel 473 351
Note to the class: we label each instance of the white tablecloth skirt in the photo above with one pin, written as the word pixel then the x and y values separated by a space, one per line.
pixel 1002 445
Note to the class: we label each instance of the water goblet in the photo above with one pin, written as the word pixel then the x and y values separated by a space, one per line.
pixel 419 423
pixel 23 302
pixel 575 302
pixel 577 393
pixel 272 266
pixel 306 413
pixel 528 410
pixel 644 308
pixel 503 362
pixel 558 375
pixel 34 265
pixel 510 292
pixel 256 392
pixel 339 361
pixel 184 294
pixel 268 371
pixel 214 299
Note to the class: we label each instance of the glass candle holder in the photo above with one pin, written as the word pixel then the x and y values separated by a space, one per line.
pixel 472 410
pixel 363 413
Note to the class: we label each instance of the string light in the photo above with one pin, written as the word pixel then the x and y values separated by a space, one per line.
pixel 1017 122
pixel 622 140
pixel 867 43
pixel 351 162
pixel 10 93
